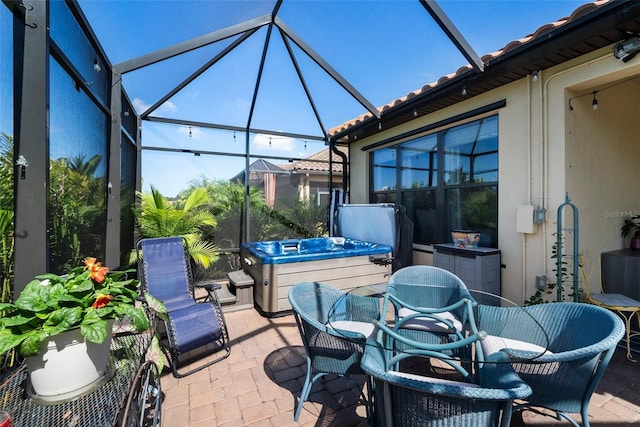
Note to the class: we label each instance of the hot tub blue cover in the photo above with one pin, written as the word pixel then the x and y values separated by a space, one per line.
pixel 312 249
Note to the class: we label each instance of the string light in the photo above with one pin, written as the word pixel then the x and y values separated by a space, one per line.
pixel 594 103
pixel 464 91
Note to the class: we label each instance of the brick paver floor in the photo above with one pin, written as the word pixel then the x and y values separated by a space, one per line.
pixel 257 385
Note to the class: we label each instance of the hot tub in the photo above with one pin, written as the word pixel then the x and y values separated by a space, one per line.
pixel 344 263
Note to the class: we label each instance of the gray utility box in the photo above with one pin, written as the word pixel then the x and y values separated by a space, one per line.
pixel 479 268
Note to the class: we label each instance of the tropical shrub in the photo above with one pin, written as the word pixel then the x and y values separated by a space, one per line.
pixel 77 211
pixel 158 217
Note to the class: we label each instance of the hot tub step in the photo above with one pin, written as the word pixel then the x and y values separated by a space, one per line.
pixel 225 296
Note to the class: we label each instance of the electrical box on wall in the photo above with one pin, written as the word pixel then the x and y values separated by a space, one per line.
pixel 524 219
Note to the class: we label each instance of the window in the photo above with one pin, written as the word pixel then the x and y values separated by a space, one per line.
pixel 460 194
pixel 384 175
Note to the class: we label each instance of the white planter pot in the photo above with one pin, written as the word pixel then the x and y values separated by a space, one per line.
pixel 68 364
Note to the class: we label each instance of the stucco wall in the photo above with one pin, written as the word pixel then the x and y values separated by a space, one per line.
pixel 547 150
pixel 602 152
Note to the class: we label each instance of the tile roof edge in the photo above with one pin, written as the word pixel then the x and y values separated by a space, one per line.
pixel 541 31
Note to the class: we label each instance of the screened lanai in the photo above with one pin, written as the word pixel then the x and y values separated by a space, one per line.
pixel 124 140
pixel 137 94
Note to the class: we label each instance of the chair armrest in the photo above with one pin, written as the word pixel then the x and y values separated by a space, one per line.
pixel 427 346
pixel 498 373
pixel 498 381
pixel 209 286
pixel 417 348
pixel 429 310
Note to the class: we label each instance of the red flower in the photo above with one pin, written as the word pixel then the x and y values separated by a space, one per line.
pixel 96 271
pixel 101 301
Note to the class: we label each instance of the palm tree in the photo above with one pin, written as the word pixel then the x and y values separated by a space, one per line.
pixel 157 217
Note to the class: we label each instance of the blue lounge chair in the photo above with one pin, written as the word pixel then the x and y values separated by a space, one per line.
pixel 193 328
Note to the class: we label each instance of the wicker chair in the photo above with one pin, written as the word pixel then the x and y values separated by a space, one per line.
pixel 193 328
pixel 334 327
pixel 627 307
pixel 430 304
pixel 407 399
pixel 579 340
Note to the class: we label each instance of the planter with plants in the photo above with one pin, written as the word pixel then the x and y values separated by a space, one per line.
pixel 631 227
pixel 57 318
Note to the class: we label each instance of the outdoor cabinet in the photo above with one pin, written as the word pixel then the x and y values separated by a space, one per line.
pixel 478 268
pixel 621 272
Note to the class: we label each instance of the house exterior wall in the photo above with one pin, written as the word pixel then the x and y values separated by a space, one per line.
pixel 547 151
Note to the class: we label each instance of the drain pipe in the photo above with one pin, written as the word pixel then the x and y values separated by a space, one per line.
pixel 529 181
pixel 334 149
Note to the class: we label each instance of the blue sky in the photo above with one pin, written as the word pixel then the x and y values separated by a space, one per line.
pixel 384 48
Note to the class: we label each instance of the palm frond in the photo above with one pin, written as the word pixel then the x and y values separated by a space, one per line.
pixel 202 252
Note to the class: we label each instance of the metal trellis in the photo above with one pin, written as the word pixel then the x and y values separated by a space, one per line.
pixel 560 244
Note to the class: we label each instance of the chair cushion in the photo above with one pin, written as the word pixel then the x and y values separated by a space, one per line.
pixel 430 324
pixel 616 300
pixel 492 344
pixel 364 328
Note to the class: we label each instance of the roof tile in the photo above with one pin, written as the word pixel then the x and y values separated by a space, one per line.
pixel 541 31
pixel 318 162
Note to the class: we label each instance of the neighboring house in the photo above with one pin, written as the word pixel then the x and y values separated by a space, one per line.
pixel 284 183
pixel 311 175
pixel 271 179
pixel 552 115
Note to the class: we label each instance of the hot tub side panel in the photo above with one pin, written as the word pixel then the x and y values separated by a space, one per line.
pixel 273 281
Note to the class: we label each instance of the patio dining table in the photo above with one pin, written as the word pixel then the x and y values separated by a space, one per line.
pixel 460 365
pixel 485 307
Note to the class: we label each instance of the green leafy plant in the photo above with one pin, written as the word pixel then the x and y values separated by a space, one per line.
pixel 631 226
pixel 547 293
pixel 86 297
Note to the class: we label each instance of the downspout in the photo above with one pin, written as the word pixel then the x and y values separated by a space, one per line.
pixel 529 184
pixel 334 149
pixel 331 170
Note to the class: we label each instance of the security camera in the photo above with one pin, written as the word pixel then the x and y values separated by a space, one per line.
pixel 626 50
